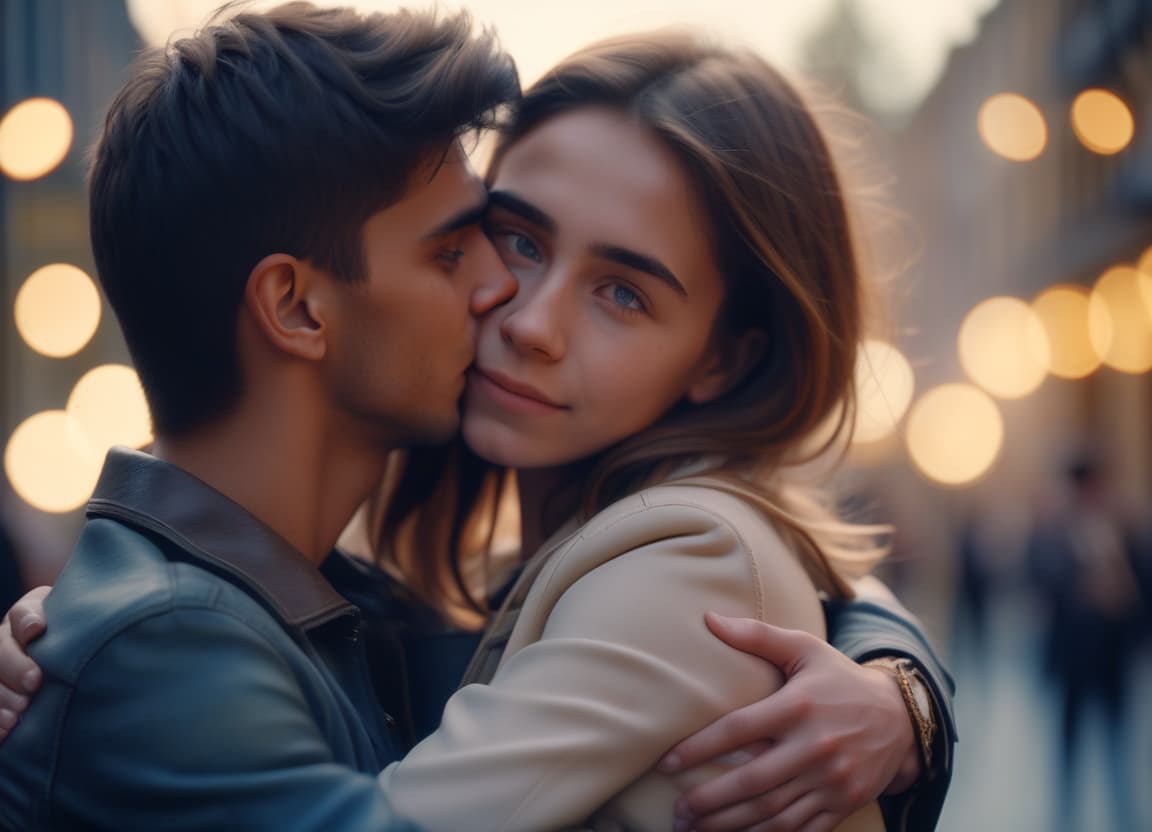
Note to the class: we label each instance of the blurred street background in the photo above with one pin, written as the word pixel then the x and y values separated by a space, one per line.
pixel 1000 156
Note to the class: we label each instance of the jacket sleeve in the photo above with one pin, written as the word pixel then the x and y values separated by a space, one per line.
pixel 881 626
pixel 623 668
pixel 239 749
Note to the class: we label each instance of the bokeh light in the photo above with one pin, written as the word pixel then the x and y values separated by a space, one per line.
pixel 1102 121
pixel 954 433
pixel 57 310
pixel 1145 269
pixel 1004 347
pixel 1118 298
pixel 35 136
pixel 1064 311
pixel 884 386
pixel 44 466
pixel 106 408
pixel 1013 127
pixel 1145 264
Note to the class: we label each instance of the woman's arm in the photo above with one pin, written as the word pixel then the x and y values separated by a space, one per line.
pixel 19 675
pixel 609 666
pixel 836 730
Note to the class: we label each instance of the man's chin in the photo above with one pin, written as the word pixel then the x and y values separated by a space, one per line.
pixel 436 433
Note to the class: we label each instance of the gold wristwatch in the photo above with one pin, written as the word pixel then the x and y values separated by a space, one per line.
pixel 917 701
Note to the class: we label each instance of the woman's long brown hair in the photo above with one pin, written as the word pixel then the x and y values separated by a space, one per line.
pixel 781 234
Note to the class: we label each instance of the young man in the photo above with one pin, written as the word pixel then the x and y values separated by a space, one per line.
pixel 280 231
pixel 287 229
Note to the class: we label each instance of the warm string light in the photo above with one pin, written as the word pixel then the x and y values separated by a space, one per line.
pixel 1004 347
pixel 1102 121
pixel 45 466
pixel 1120 320
pixel 53 458
pixel 1012 127
pixel 954 434
pixel 57 310
pixel 35 137
pixel 884 386
pixel 1064 312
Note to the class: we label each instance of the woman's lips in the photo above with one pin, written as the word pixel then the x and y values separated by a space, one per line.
pixel 512 394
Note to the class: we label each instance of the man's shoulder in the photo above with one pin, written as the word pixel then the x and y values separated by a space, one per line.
pixel 118 577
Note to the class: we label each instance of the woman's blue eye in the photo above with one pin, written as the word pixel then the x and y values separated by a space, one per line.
pixel 623 296
pixel 524 247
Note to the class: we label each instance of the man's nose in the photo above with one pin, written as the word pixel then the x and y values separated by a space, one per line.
pixel 495 283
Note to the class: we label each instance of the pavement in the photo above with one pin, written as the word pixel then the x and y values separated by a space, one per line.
pixel 1006 766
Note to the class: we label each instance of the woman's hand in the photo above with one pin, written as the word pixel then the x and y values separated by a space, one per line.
pixel 835 737
pixel 19 675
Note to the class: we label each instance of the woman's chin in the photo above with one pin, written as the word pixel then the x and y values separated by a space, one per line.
pixel 510 448
pixel 492 443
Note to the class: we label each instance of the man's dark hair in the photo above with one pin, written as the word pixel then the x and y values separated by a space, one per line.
pixel 280 131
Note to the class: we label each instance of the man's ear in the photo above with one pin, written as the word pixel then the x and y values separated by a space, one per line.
pixel 728 366
pixel 282 298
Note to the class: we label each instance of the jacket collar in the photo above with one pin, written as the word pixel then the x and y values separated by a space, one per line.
pixel 213 531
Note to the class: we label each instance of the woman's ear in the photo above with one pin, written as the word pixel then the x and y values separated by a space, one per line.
pixel 282 299
pixel 728 366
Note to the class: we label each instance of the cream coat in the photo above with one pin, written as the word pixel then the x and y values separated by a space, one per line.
pixel 604 662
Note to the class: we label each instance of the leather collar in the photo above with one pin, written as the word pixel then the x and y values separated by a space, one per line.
pixel 209 528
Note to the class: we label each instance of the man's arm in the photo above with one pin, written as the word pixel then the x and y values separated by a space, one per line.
pixel 191 720
pixel 877 626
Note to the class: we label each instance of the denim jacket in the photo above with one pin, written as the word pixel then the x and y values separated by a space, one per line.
pixel 199 674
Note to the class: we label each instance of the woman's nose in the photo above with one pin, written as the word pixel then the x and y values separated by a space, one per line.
pixel 533 322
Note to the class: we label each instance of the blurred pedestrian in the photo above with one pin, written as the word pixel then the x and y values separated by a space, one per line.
pixel 1083 560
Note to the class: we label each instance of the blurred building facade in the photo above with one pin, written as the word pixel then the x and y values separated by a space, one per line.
pixel 983 226
pixel 992 226
pixel 75 53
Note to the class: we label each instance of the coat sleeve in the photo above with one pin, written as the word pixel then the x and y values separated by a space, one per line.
pixel 623 667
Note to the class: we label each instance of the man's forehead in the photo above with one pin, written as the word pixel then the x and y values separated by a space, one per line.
pixel 460 197
pixel 444 193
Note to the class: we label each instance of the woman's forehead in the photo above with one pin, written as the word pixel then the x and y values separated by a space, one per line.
pixel 594 179
pixel 598 165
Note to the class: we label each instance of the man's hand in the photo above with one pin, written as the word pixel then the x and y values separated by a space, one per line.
pixel 832 739
pixel 19 675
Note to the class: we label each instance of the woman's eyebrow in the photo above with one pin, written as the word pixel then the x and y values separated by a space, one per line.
pixel 508 201
pixel 640 262
pixel 513 204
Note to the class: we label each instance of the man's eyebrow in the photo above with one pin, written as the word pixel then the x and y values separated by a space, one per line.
pixel 525 210
pixel 471 215
pixel 640 262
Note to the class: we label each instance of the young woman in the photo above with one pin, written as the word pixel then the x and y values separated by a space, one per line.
pixel 687 319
